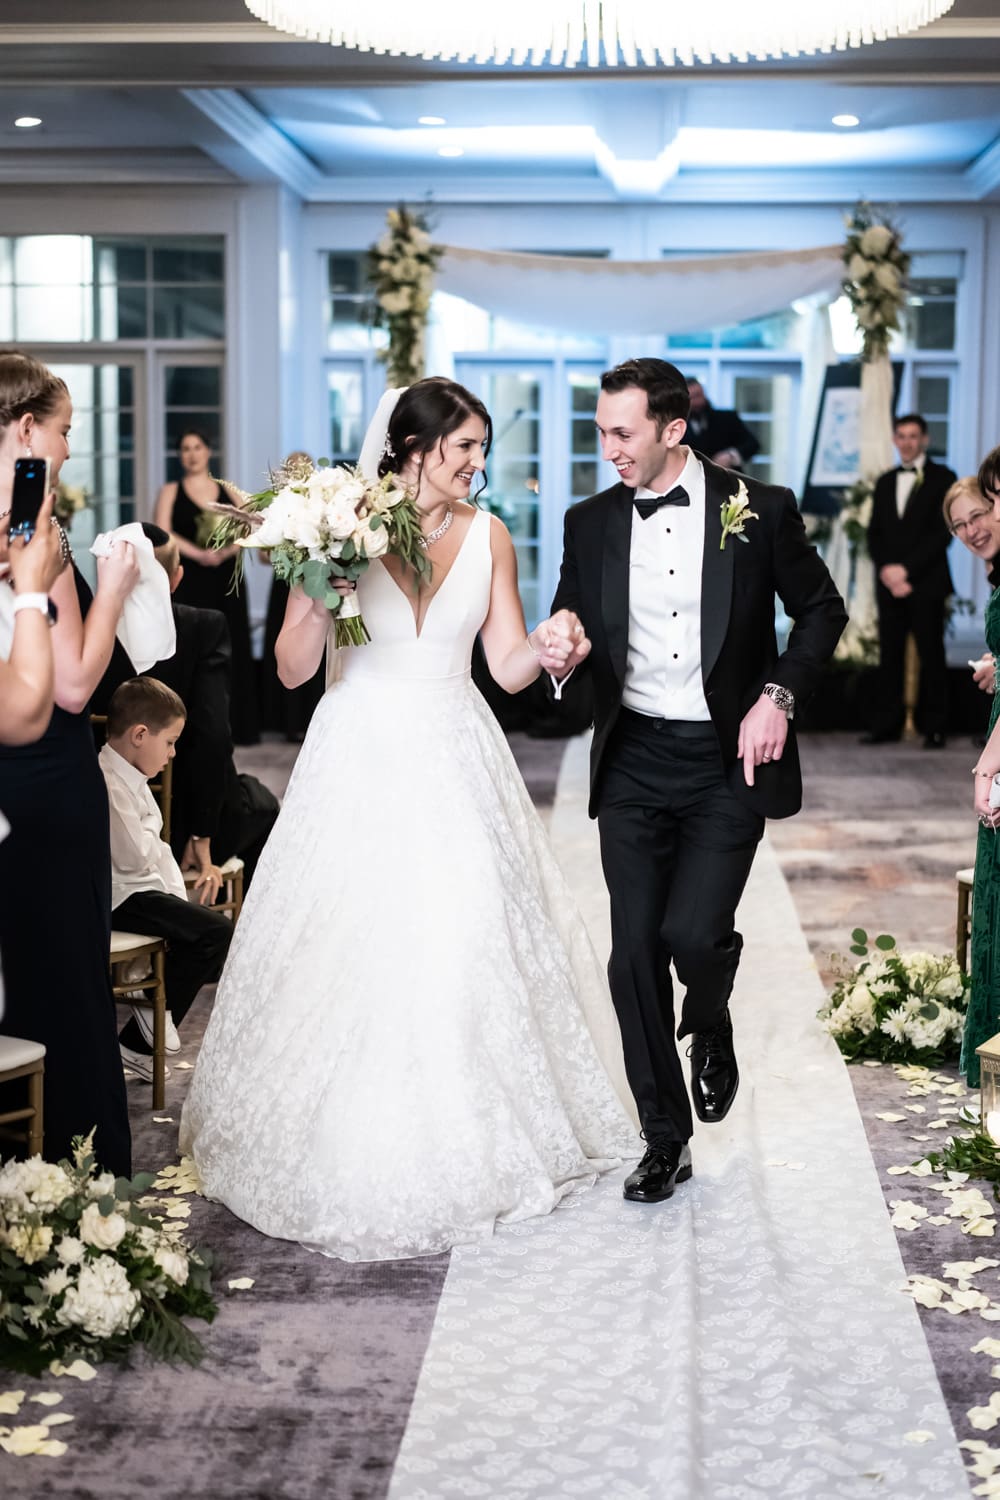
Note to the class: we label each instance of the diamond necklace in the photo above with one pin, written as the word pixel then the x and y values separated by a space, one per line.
pixel 439 531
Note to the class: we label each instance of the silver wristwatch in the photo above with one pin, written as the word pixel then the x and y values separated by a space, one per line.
pixel 782 697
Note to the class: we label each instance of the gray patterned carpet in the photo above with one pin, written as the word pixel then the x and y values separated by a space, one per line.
pixel 306 1394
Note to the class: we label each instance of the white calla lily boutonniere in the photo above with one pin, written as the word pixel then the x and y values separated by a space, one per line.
pixel 735 513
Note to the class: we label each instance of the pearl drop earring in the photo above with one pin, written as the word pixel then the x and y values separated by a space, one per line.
pixel 27 451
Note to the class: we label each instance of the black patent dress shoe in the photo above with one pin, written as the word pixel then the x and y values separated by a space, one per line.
pixel 665 1164
pixel 714 1074
pixel 934 741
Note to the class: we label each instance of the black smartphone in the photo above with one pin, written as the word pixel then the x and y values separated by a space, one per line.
pixel 31 485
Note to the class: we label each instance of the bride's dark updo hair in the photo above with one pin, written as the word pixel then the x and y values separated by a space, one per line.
pixel 424 415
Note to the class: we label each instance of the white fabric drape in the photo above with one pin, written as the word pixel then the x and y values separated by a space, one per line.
pixel 586 294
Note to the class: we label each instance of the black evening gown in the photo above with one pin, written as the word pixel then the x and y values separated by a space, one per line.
pixel 286 709
pixel 55 932
pixel 211 588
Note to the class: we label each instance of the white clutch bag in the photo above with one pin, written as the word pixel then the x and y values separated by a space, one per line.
pixel 995 792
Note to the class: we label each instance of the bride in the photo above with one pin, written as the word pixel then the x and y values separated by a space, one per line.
pixel 412 1040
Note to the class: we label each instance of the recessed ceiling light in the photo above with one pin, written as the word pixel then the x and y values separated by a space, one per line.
pixel 27 122
pixel 845 122
pixel 451 151
pixel 432 120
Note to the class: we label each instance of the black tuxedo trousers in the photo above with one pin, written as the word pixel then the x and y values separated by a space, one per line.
pixel 676 847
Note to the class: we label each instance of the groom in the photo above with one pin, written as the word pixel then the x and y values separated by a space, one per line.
pixel 694 744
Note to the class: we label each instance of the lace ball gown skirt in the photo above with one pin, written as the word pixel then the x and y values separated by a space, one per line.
pixel 407 1042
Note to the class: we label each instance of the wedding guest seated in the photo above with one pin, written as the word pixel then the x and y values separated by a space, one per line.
pixel 216 811
pixel 148 896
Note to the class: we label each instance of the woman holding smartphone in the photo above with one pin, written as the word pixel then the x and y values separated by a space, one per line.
pixel 55 867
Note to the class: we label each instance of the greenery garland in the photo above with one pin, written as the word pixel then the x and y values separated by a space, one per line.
pixel 875 284
pixel 401 270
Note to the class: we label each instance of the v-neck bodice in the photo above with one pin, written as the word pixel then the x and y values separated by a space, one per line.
pixel 454 614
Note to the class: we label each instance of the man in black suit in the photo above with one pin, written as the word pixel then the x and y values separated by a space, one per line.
pixel 908 540
pixel 693 743
pixel 722 435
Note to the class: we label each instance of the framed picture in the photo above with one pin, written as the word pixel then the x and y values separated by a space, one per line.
pixel 835 456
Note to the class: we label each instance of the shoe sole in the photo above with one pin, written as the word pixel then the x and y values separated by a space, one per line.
pixel 684 1175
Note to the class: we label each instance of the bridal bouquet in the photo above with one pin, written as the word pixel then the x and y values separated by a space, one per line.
pixel 84 1271
pixel 897 1007
pixel 327 523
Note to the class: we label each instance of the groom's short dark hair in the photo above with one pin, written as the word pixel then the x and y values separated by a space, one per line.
pixel 667 395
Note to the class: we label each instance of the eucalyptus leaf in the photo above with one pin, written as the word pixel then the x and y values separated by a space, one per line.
pixel 885 942
pixel 859 935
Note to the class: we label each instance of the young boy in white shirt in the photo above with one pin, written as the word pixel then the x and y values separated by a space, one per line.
pixel 148 894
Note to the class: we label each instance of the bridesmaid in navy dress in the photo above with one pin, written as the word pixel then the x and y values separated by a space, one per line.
pixel 208 571
pixel 55 867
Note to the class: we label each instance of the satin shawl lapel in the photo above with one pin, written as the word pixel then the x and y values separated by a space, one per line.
pixel 614 575
pixel 716 567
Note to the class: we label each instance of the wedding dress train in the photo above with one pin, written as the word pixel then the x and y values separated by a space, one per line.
pixel 412 1040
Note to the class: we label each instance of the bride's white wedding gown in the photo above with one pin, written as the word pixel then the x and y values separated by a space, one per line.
pixel 406 1044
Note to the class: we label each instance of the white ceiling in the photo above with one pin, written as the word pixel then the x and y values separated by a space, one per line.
pixel 197 91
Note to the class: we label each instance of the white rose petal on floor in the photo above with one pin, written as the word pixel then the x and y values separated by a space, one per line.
pixel 748 1338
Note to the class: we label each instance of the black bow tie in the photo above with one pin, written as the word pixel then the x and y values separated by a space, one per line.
pixel 647 507
pixel 908 469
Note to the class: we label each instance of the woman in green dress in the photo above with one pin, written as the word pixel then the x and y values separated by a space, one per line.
pixel 972 510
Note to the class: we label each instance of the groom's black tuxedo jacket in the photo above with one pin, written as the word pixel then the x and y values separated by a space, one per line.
pixel 739 651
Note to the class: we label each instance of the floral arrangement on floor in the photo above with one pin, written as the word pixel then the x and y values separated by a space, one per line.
pixel 897 1007
pixel 875 284
pixel 85 1272
pixel 401 270
pixel 324 523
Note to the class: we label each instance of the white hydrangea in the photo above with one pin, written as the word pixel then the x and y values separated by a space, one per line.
pixel 70 1251
pixel 102 1302
pixel 29 1242
pixel 34 1184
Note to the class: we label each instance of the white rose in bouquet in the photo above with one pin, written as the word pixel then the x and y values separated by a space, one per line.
pixel 104 1233
pixel 172 1263
pixel 102 1303
pixel 102 1186
pixel 271 531
pixel 34 1183
pixel 341 516
pixel 304 522
pixel 372 543
pixel 875 241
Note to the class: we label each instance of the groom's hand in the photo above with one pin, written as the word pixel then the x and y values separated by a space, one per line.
pixel 762 736
pixel 561 643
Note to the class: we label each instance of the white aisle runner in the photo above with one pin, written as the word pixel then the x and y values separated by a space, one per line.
pixel 746 1339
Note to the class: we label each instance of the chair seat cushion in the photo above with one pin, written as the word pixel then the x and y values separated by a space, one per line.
pixel 15 1052
pixel 965 877
pixel 124 942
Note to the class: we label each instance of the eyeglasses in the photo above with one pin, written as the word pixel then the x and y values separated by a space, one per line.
pixel 961 526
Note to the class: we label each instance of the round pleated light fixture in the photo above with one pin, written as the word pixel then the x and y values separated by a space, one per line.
pixel 633 33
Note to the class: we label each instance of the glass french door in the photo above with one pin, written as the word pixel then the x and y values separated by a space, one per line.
pixel 188 395
pixel 545 456
pixel 766 395
pixel 100 481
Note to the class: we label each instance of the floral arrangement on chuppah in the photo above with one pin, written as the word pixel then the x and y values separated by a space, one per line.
pixel 875 283
pixel 326 523
pixel 897 1007
pixel 90 1268
pixel 401 270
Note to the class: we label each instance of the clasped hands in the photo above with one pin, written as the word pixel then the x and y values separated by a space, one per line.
pixel 560 643
pixel 895 578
